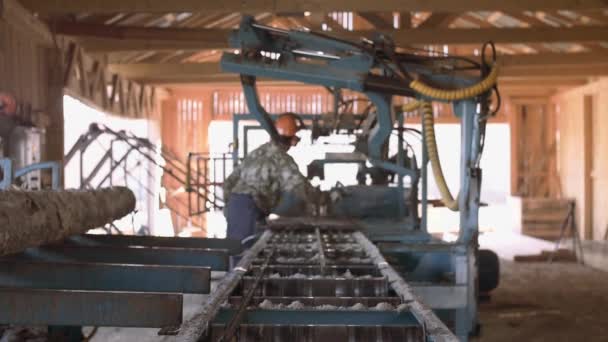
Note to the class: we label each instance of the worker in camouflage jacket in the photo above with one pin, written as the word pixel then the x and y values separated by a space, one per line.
pixel 268 181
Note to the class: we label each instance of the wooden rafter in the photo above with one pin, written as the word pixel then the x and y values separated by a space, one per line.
pixel 316 20
pixel 508 85
pixel 439 19
pixel 537 65
pixel 554 59
pixel 102 38
pixel 207 35
pixel 552 75
pixel 527 48
pixel 377 20
pixel 557 72
pixel 599 16
pixel 254 6
pixel 533 21
pixel 86 78
pixel 71 54
pixel 164 70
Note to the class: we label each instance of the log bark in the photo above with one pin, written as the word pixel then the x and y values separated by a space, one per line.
pixel 34 218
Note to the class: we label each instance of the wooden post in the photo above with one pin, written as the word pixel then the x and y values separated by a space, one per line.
pixel 587 205
pixel 54 106
pixel 515 127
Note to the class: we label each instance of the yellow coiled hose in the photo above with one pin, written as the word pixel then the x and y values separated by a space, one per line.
pixel 428 121
pixel 458 94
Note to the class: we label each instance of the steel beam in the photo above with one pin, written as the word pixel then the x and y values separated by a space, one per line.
pixel 442 297
pixel 232 246
pixel 318 301
pixel 35 218
pixel 331 286
pixel 322 317
pixel 217 259
pixel 81 308
pixel 105 277
pixel 339 325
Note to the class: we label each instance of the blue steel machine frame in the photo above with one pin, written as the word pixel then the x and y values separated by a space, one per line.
pixel 447 272
pixel 104 280
pixel 139 281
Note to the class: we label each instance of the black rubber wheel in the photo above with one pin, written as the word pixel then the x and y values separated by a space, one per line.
pixel 489 270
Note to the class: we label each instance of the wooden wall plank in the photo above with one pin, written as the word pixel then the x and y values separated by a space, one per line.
pixel 54 106
pixel 515 129
pixel 23 67
pixel 575 153
pixel 599 170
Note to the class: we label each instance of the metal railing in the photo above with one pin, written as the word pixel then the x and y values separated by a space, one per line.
pixel 10 175
pixel 205 178
pixel 135 152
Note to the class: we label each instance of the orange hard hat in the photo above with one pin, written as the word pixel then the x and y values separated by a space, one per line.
pixel 288 124
pixel 8 104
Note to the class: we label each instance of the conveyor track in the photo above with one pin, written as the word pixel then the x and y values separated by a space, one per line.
pixel 315 284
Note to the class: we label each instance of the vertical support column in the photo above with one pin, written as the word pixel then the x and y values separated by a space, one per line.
pixel 515 128
pixel 587 205
pixel 54 104
pixel 405 20
pixel 469 197
pixel 469 178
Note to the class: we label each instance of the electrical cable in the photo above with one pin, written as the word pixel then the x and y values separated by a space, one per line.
pixel 487 83
pixel 459 94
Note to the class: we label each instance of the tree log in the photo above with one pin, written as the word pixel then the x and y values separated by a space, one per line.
pixel 34 218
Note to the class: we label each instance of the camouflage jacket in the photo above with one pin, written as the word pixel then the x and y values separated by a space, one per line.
pixel 265 174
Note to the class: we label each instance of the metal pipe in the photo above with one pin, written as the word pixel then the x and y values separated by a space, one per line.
pixel 34 218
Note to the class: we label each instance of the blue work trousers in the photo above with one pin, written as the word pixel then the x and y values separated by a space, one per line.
pixel 242 216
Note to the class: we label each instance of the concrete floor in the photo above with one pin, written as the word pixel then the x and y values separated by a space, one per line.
pixel 541 301
pixel 547 302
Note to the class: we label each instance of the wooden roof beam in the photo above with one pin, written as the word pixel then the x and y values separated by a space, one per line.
pixel 377 20
pixel 140 32
pixel 102 38
pixel 405 20
pixel 139 71
pixel 548 66
pixel 255 6
pixel 506 85
pixel 439 19
pixel 554 59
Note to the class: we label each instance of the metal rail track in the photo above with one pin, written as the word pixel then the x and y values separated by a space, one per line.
pixel 314 284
